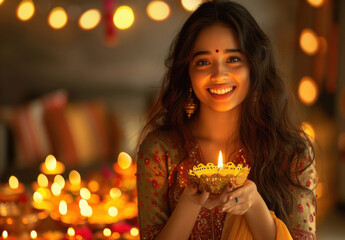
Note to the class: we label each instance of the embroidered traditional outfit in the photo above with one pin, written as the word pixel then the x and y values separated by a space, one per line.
pixel 162 177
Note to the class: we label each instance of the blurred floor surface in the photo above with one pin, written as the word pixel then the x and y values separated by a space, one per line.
pixel 332 227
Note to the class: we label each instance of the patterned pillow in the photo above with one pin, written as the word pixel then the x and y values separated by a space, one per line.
pixel 26 122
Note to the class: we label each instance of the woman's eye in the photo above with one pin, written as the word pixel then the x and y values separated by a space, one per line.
pixel 233 59
pixel 202 63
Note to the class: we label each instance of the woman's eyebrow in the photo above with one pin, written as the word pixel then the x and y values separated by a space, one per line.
pixel 209 52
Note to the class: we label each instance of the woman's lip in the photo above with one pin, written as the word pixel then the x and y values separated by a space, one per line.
pixel 221 96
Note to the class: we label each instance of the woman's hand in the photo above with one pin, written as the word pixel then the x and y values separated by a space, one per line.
pixel 239 201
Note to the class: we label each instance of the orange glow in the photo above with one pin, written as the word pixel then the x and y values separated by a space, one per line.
pixel 124 160
pixel 74 177
pixel 93 186
pixel 158 10
pixel 33 234
pixel 308 90
pixel 25 10
pixel 70 232
pixel 115 193
pixel 42 180
pixel 37 197
pixel 50 162
pixel 85 193
pixel 316 3
pixel 309 130
pixel 4 234
pixel 134 232
pixel 63 207
pixel 123 17
pixel 60 180
pixel 90 19
pixel 1 1
pixel 190 5
pixel 56 189
pixel 13 182
pixel 309 42
pixel 112 211
pixel 106 232
pixel 220 160
pixel 57 18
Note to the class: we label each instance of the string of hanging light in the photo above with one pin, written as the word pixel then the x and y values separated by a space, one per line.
pixel 122 16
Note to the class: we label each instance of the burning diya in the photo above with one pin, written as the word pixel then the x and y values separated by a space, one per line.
pixel 214 178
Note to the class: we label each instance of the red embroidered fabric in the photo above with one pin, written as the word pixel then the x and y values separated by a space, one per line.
pixel 162 177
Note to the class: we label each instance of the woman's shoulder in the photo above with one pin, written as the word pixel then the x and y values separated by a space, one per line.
pixel 164 138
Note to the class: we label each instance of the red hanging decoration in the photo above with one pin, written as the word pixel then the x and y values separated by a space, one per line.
pixel 110 29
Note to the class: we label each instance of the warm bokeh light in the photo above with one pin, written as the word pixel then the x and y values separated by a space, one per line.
pixel 115 193
pixel 25 10
pixel 106 232
pixel 90 19
pixel 57 18
pixel 191 5
pixel 42 180
pixel 158 10
pixel 308 90
pixel 56 189
pixel 93 186
pixel 59 180
pixel 86 211
pixel 50 162
pixel 13 182
pixel 74 177
pixel 124 160
pixel 85 193
pixel 134 232
pixel 33 234
pixel 220 160
pixel 83 203
pixel 309 130
pixel 309 42
pixel 1 1
pixel 45 192
pixel 316 3
pixel 123 17
pixel 4 234
pixel 112 211
pixel 37 197
pixel 63 207
pixel 70 232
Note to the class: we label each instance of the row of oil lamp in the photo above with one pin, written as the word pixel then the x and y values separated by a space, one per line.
pixel 74 202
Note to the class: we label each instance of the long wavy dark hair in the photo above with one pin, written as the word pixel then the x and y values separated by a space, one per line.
pixel 272 137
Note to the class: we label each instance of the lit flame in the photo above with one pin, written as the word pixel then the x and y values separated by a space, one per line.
pixel 42 180
pixel 56 189
pixel 70 232
pixel 33 234
pixel 60 180
pixel 4 234
pixel 85 193
pixel 115 193
pixel 106 232
pixel 13 182
pixel 220 160
pixel 112 211
pixel 50 162
pixel 74 177
pixel 63 207
pixel 124 160
pixel 134 232
pixel 37 197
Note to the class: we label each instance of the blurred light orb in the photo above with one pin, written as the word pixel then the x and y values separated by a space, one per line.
pixel 37 197
pixel 74 177
pixel 93 186
pixel 1 1
pixel 71 232
pixel 56 189
pixel 42 180
pixel 25 10
pixel 134 232
pixel 309 130
pixel 90 19
pixel 50 162
pixel 57 18
pixel 13 182
pixel 60 180
pixel 158 10
pixel 124 160
pixel 4 234
pixel 85 193
pixel 123 17
pixel 316 3
pixel 308 90
pixel 190 5
pixel 33 234
pixel 63 207
pixel 115 193
pixel 106 232
pixel 309 42
pixel 112 211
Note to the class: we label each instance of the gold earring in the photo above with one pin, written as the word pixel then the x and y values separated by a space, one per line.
pixel 190 105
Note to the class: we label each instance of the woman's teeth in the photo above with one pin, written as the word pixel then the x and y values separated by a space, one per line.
pixel 221 91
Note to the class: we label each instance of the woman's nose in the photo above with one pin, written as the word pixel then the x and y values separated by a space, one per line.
pixel 218 72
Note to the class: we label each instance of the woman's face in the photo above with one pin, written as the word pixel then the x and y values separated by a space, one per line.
pixel 218 70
